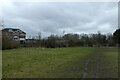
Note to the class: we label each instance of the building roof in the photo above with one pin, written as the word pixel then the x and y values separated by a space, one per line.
pixel 13 29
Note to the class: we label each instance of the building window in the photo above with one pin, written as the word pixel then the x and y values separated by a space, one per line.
pixel 15 38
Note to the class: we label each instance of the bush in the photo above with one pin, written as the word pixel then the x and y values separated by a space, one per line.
pixel 7 43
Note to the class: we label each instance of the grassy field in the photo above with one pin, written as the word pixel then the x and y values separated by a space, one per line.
pixel 78 62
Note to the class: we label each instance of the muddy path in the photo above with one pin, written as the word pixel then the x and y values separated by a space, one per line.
pixel 98 66
pixel 94 65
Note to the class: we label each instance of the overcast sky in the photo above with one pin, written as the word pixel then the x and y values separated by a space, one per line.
pixel 54 18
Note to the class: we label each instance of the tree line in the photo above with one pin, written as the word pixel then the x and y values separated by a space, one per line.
pixel 67 40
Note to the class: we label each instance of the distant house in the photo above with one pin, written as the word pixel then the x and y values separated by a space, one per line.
pixel 14 34
pixel 30 40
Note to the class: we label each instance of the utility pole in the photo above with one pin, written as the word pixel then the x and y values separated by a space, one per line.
pixel 1 24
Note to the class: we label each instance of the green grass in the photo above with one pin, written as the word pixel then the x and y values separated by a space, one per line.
pixel 58 62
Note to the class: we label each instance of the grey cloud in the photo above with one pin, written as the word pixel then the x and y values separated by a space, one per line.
pixel 53 18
